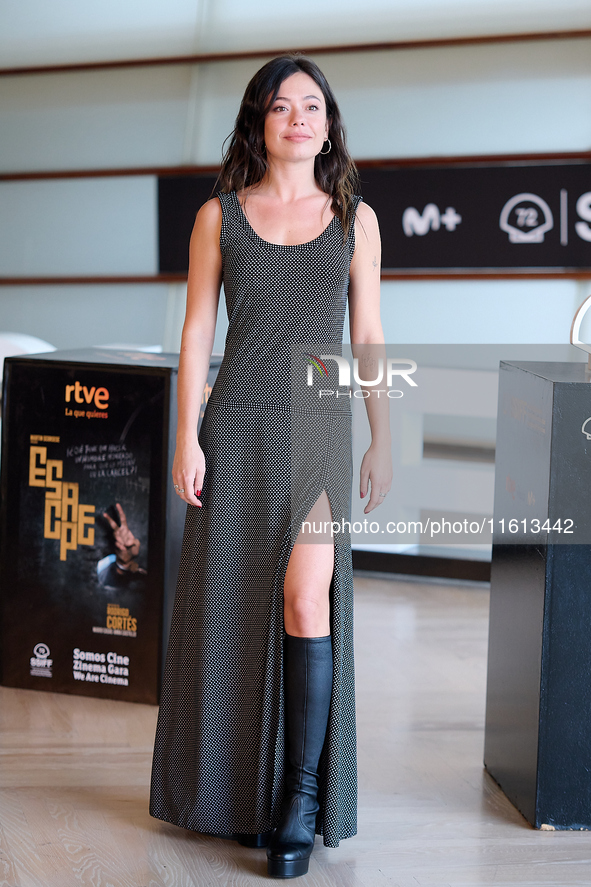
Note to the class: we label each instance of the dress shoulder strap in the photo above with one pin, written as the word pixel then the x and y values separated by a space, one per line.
pixel 355 201
pixel 228 203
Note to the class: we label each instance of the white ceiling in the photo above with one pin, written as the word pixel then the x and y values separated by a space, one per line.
pixel 37 32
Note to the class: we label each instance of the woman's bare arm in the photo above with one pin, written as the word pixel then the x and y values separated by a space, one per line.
pixel 367 341
pixel 203 292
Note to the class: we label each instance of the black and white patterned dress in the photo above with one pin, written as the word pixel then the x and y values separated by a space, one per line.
pixel 272 443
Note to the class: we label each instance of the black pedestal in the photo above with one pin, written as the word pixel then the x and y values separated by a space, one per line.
pixel 85 604
pixel 538 712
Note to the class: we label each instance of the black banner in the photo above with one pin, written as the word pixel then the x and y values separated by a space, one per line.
pixel 84 451
pixel 179 199
pixel 442 219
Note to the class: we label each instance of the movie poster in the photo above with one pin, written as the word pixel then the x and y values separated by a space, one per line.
pixel 84 466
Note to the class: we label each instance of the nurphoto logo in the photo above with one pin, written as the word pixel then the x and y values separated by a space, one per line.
pixel 395 368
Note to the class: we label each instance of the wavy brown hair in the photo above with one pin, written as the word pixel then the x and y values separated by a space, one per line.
pixel 244 163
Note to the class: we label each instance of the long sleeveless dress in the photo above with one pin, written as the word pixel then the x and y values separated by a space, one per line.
pixel 272 442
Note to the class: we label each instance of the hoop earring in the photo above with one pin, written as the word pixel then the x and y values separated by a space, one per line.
pixel 329 147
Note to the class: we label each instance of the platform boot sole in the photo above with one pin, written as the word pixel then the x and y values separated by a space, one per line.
pixel 287 868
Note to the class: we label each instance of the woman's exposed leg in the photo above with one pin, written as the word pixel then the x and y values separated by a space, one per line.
pixel 308 687
pixel 308 576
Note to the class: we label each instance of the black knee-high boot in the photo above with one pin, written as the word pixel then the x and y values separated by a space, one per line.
pixel 308 686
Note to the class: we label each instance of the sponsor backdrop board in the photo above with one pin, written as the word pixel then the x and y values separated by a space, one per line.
pixel 91 527
pixel 475 218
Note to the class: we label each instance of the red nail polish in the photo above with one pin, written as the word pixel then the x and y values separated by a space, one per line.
pixel 198 493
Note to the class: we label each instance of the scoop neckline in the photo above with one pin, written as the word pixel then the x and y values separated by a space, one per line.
pixel 280 245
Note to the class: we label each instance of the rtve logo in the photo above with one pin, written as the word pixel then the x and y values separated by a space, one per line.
pixel 82 394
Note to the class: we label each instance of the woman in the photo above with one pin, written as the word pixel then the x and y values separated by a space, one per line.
pixel 256 731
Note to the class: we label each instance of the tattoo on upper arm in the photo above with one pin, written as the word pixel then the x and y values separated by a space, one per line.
pixel 375 262
pixel 368 361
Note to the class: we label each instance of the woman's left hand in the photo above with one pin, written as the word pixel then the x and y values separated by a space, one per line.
pixel 376 472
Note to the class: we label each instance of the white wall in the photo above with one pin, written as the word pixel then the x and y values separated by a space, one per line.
pixel 494 98
pixel 487 311
pixel 79 316
pixel 78 227
pixel 93 119
pixel 35 32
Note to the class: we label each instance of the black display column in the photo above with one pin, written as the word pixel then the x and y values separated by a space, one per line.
pixel 91 525
pixel 538 711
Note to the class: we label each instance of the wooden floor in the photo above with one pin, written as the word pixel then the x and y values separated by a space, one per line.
pixel 74 775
